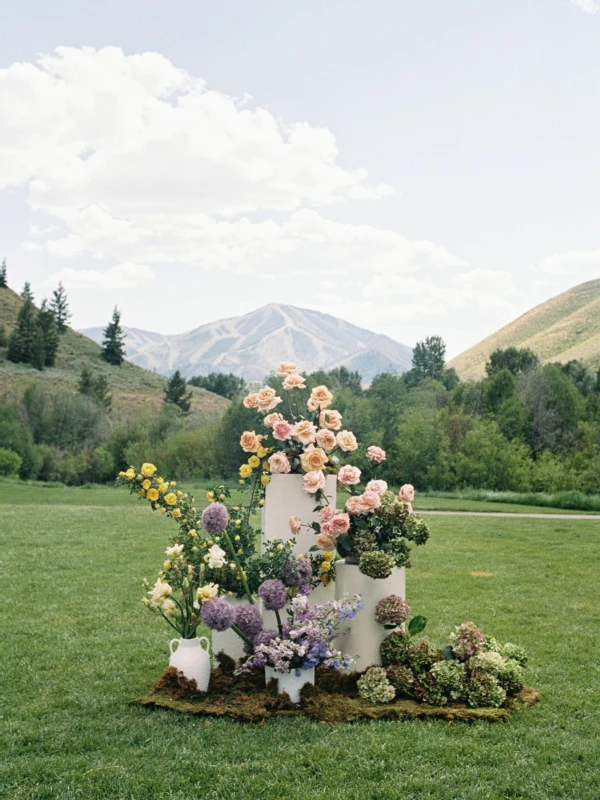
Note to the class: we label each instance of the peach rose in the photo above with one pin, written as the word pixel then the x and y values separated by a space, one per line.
pixel 311 405
pixel 354 504
pixel 286 368
pixel 313 458
pixel 282 430
pixel 346 441
pixel 407 493
pixel 251 400
pixel 305 431
pixel 294 381
pixel 279 464
pixel 349 475
pixel 271 419
pixel 326 439
pixel 314 481
pixel 325 542
pixel 371 500
pixel 329 418
pixel 376 454
pixel 321 396
pixel 379 487
pixel 295 525
pixel 326 514
pixel 409 508
pixel 340 524
pixel 250 442
pixel 266 399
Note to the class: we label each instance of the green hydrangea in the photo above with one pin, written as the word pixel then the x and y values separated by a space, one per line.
pixel 515 652
pixel 450 678
pixel 377 564
pixel 374 686
pixel 511 676
pixel 484 690
pixel 490 663
pixel 492 644
pixel 395 649
pixel 402 679
pixel 417 529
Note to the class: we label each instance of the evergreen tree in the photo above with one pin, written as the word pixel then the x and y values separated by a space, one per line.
pixel 175 392
pixel 21 342
pixel 3 336
pixel 60 307
pixel 27 294
pixel 48 326
pixel 96 388
pixel 113 347
pixel 429 358
pixel 85 384
pixel 38 355
pixel 3 278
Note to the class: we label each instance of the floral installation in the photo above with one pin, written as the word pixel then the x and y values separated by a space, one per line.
pixel 374 686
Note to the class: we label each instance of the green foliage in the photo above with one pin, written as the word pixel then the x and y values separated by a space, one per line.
pixel 3 275
pixel 23 342
pixel 3 335
pixel 60 308
pixel 95 387
pixel 27 294
pixel 429 358
pixel 10 462
pixel 512 359
pixel 113 344
pixel 48 328
pixel 16 436
pixel 225 384
pixel 176 392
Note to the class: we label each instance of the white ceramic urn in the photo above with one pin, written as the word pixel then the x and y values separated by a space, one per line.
pixel 289 682
pixel 192 660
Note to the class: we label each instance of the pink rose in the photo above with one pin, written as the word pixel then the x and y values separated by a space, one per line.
pixel 326 439
pixel 349 475
pixel 294 382
pixel 271 419
pixel 326 529
pixel 330 419
pixel 379 487
pixel 346 441
pixel 355 505
pixel 251 400
pixel 325 542
pixel 340 524
pixel 295 525
pixel 407 493
pixel 305 432
pixel 326 514
pixel 376 454
pixel 371 500
pixel 282 430
pixel 314 481
pixel 279 464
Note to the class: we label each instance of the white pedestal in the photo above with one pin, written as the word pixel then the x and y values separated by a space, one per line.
pixel 362 636
pixel 228 641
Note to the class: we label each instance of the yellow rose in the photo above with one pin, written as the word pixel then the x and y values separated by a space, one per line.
pixel 163 487
pixel 254 461
pixel 193 533
pixel 146 485
pixel 130 474
pixel 241 484
pixel 140 493
pixel 121 474
pixel 152 495
pixel 328 555
pixel 171 499
pixel 325 566
pixel 210 496
pixel 176 513
pixel 148 469
pixel 245 470
pixel 313 458
pixel 262 452
pixel 167 564
pixel 265 479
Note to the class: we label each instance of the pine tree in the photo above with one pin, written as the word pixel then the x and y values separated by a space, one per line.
pixel 27 294
pixel 97 388
pixel 21 343
pixel 38 355
pixel 3 336
pixel 3 278
pixel 60 307
pixel 85 384
pixel 48 325
pixel 113 347
pixel 175 392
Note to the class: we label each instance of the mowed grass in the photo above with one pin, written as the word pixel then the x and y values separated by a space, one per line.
pixel 77 646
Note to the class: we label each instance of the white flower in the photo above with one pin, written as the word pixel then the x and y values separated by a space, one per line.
pixel 215 558
pixel 169 608
pixel 207 592
pixel 160 591
pixel 175 551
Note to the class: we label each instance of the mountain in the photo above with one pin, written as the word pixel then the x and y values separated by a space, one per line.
pixel 564 328
pixel 254 344
pixel 130 385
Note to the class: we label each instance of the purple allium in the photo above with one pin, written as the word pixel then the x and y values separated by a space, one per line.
pixel 248 619
pixel 218 614
pixel 215 518
pixel 296 573
pixel 392 610
pixel 265 636
pixel 467 641
pixel 273 594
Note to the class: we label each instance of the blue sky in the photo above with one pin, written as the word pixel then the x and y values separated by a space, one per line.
pixel 413 167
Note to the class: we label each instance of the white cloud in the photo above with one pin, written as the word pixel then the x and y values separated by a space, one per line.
pixel 121 276
pixel 589 6
pixel 576 264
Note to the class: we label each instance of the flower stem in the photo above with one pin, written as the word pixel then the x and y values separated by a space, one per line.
pixel 279 625
pixel 238 565
pixel 242 635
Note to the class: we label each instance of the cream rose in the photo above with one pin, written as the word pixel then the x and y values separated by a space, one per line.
pixel 371 500
pixel 267 399
pixel 251 400
pixel 313 458
pixel 314 481
pixel 286 368
pixel 271 419
pixel 379 487
pixel 295 525
pixel 329 418
pixel 407 493
pixel 321 396
pixel 312 405
pixel 326 439
pixel 250 442
pixel 346 441
pixel 294 381
pixel 349 475
pixel 355 505
pixel 305 431
pixel 376 454
pixel 279 464
pixel 325 541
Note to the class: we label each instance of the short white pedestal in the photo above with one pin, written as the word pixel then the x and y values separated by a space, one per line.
pixel 228 641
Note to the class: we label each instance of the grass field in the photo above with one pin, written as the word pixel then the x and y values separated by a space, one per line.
pixel 78 646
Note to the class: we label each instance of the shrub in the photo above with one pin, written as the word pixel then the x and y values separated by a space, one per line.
pixel 10 462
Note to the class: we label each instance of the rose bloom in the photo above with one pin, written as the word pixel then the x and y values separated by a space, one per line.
pixel 326 439
pixel 321 396
pixel 282 430
pixel 407 493
pixel 279 464
pixel 379 487
pixel 355 505
pixel 325 542
pixel 271 419
pixel 286 368
pixel 313 458
pixel 266 399
pixel 294 382
pixel 250 442
pixel 312 405
pixel 347 441
pixel 314 481
pixel 330 419
pixel 340 524
pixel 295 525
pixel 376 454
pixel 371 500
pixel 251 400
pixel 305 431
pixel 409 507
pixel 326 514
pixel 349 475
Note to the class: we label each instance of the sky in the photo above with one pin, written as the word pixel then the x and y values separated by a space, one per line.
pixel 415 167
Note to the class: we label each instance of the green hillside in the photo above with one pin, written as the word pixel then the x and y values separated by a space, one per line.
pixel 130 386
pixel 564 328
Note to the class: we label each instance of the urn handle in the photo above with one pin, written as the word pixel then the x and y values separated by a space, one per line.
pixel 204 639
pixel 173 641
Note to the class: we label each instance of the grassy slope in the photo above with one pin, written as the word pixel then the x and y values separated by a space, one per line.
pixel 129 384
pixel 564 328
pixel 80 646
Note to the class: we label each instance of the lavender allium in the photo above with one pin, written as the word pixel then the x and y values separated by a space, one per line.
pixel 392 610
pixel 215 518
pixel 218 614
pixel 467 641
pixel 273 594
pixel 296 573
pixel 248 619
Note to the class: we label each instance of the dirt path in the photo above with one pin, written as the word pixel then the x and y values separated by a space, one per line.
pixel 509 514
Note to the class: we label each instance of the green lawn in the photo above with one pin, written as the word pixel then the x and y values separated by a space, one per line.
pixel 77 646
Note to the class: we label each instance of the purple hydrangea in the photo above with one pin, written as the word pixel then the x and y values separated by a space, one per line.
pixel 215 518
pixel 248 619
pixel 273 594
pixel 391 610
pixel 467 641
pixel 218 614
pixel 296 573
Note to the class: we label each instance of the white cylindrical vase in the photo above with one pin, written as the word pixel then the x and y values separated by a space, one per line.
pixel 228 641
pixel 289 682
pixel 362 636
